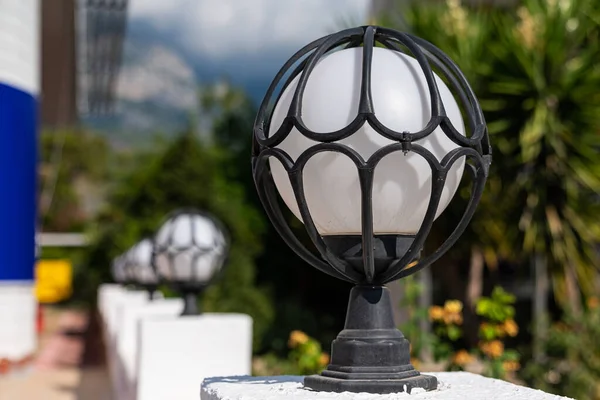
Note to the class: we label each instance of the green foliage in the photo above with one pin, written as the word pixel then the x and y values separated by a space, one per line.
pixel 306 354
pixel 72 165
pixel 448 322
pixel 541 99
pixel 420 341
pixel 497 312
pixel 572 363
pixel 497 308
pixel 305 357
pixel 536 74
pixel 291 282
pixel 187 174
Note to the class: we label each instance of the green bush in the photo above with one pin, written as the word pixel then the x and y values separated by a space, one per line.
pixel 185 174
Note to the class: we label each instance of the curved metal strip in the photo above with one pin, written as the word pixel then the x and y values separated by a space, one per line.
pixel 437 174
pixel 259 128
pixel 477 190
pixel 394 147
pixel 366 205
pixel 334 136
pixel 329 147
pixel 342 267
pixel 403 136
pixel 297 180
pixel 457 85
pixel 453 156
pixel 478 113
pixel 268 197
pixel 295 109
pixel 297 71
pixel 366 99
pixel 437 107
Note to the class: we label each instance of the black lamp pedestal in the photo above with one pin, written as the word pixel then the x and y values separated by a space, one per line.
pixel 151 289
pixel 370 354
pixel 190 303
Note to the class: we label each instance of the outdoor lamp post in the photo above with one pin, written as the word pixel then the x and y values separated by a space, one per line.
pixel 190 250
pixel 367 146
pixel 139 260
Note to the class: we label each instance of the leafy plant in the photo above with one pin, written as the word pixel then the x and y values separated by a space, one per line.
pixel 572 363
pixel 420 341
pixel 497 313
pixel 306 353
pixel 448 325
pixel 535 72
pixel 187 173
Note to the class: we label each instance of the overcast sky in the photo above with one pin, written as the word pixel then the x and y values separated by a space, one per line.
pixel 223 28
pixel 175 46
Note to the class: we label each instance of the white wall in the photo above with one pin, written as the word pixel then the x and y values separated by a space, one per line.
pixel 17 319
pixel 20 70
pixel 20 44
pixel 176 354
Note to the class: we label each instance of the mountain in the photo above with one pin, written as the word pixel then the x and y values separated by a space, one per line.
pixel 157 90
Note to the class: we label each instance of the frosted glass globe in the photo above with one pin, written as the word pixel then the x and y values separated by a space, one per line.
pixel 402 186
pixel 141 260
pixel 190 247
pixel 118 270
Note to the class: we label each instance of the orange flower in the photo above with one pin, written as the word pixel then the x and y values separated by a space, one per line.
pixel 456 319
pixel 499 330
pixel 415 362
pixel 511 366
pixel 510 327
pixel 453 306
pixel 462 357
pixel 297 338
pixel 493 349
pixel 324 359
pixel 593 303
pixel 436 313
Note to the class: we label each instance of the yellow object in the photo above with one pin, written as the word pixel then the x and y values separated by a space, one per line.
pixel 511 328
pixel 436 313
pixel 511 366
pixel 493 349
pixel 462 358
pixel 53 280
pixel 453 306
pixel 297 338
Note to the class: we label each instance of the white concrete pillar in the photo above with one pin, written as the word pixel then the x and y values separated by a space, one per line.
pixel 176 354
pixel 128 340
pixel 19 90
pixel 451 386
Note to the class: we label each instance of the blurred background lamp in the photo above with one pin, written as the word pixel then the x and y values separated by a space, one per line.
pixel 117 269
pixel 367 146
pixel 139 260
pixel 190 250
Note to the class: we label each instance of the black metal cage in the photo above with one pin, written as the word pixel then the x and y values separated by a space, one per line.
pixel 369 259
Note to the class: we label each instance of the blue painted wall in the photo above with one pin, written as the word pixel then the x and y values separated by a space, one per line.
pixel 18 161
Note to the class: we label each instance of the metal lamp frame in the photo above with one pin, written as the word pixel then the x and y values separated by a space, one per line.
pixel 354 368
pixel 190 289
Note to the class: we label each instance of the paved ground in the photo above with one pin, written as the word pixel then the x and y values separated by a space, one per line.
pixel 66 366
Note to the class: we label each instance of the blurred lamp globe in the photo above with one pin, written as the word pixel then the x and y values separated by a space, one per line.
pixel 139 260
pixel 118 270
pixel 190 251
